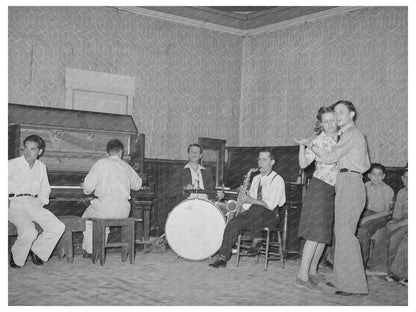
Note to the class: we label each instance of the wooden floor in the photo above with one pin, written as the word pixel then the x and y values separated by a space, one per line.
pixel 165 280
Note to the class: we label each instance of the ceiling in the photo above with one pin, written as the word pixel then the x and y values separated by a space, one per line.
pixel 242 9
pixel 239 17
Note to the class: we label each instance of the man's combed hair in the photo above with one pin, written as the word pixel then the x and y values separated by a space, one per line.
pixel 36 139
pixel 194 144
pixel 378 166
pixel 115 145
pixel 268 150
pixel 350 107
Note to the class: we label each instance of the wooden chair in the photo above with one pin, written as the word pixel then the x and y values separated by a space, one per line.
pixel 127 242
pixel 273 250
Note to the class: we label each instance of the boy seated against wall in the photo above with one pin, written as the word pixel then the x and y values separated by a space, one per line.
pixel 379 199
pixel 389 254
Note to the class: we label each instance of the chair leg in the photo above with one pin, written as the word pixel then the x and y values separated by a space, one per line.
pixel 70 248
pixel 238 249
pixel 282 257
pixel 103 243
pixel 124 239
pixel 60 246
pixel 132 244
pixel 266 260
pixel 96 241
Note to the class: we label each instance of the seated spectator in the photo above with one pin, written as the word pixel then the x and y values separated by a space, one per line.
pixel 374 217
pixel 29 191
pixel 398 269
pixel 389 238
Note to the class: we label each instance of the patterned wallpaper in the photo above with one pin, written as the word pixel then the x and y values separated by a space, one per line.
pixel 187 79
pixel 360 56
pixel 259 90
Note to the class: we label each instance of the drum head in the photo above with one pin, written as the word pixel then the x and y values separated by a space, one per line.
pixel 194 229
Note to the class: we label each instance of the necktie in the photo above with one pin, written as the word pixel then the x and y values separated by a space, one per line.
pixel 259 188
pixel 197 181
pixel 339 137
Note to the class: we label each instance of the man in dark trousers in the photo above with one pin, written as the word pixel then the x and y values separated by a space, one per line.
pixel 266 194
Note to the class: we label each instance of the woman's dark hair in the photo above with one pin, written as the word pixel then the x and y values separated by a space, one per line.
pixel 322 110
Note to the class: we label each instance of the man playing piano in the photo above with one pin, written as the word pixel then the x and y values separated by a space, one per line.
pixel 28 192
pixel 110 179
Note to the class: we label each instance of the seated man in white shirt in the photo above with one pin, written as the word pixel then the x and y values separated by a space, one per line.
pixel 111 179
pixel 28 192
pixel 267 193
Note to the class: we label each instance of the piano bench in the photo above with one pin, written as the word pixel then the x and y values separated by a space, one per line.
pixel 65 245
pixel 127 242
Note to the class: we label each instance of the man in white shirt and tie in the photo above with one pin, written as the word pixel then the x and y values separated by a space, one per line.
pixel 266 194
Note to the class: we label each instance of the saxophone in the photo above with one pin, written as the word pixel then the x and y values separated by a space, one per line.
pixel 235 207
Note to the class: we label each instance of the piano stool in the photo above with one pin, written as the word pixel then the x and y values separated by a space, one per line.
pixel 127 242
pixel 65 245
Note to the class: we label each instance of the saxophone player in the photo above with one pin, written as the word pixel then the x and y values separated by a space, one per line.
pixel 260 204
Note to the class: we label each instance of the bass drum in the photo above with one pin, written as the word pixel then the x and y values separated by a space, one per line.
pixel 194 229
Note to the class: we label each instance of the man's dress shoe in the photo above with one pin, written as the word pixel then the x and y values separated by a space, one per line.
pixel 35 259
pixel 12 264
pixel 85 254
pixel 219 263
pixel 255 248
pixel 345 293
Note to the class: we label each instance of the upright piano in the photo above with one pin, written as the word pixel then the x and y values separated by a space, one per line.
pixel 75 140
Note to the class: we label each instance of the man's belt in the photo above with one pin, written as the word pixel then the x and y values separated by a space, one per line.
pixel 20 195
pixel 348 170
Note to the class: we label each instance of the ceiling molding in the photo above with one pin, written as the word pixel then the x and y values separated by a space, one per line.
pixel 182 20
pixel 303 19
pixel 235 31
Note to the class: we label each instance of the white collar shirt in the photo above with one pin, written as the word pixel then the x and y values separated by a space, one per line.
pixel 112 177
pixel 26 180
pixel 197 181
pixel 273 190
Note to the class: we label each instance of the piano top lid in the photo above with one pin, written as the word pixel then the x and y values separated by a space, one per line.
pixel 70 119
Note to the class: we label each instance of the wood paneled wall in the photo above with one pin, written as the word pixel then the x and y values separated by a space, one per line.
pixel 159 170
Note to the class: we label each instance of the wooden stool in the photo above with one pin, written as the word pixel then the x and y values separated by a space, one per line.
pixel 127 243
pixel 271 249
pixel 65 245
